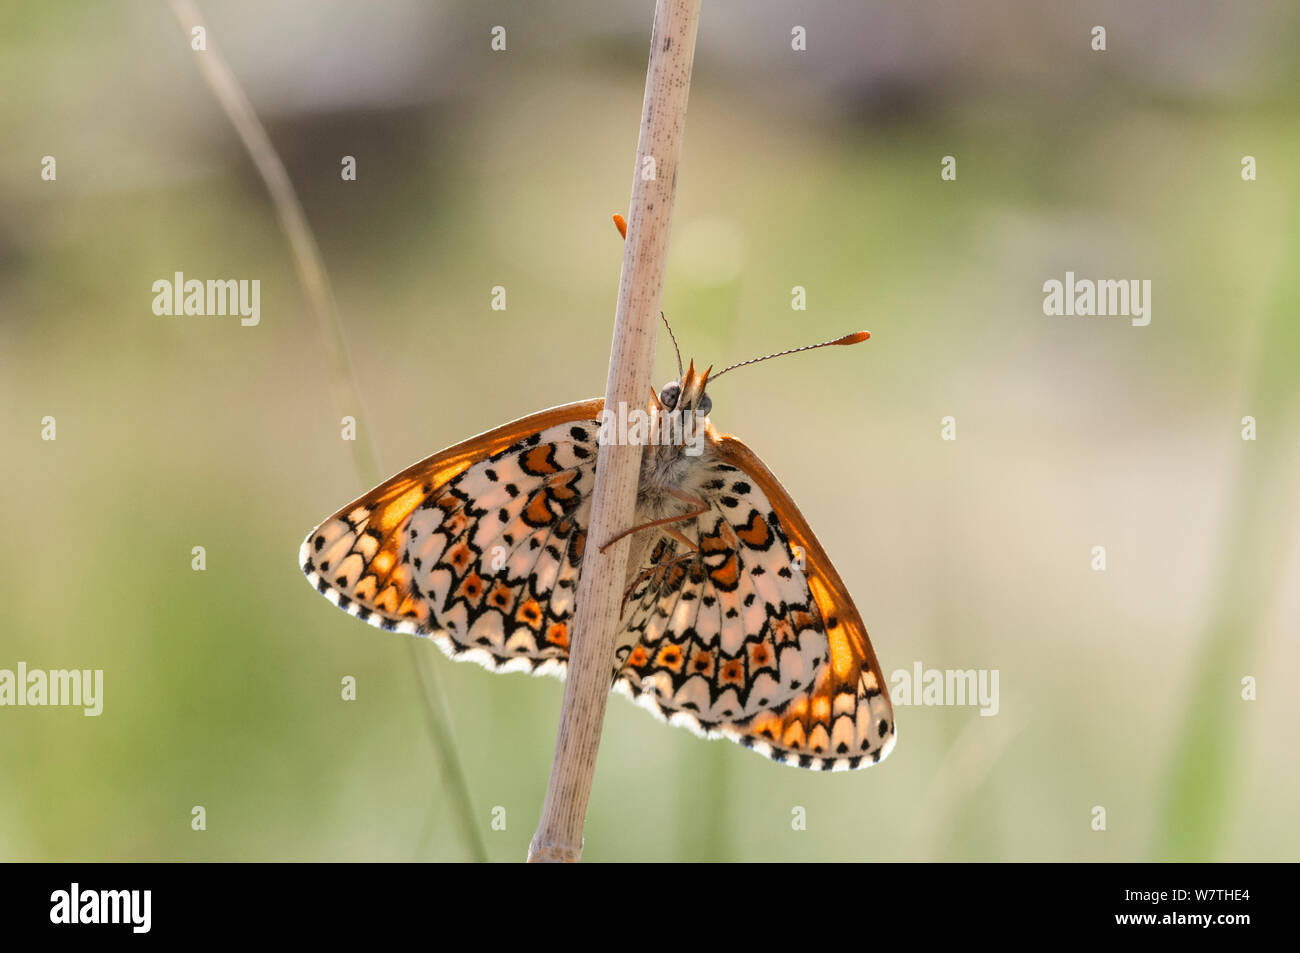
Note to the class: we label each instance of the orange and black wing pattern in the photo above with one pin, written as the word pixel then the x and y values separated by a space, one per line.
pixel 478 546
pixel 844 720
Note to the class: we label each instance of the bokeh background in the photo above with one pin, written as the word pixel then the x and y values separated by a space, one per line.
pixel 1119 689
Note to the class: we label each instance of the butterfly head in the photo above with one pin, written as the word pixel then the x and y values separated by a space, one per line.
pixel 687 395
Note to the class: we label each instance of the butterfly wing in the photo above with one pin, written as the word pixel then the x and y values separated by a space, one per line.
pixel 745 640
pixel 477 546
pixel 720 626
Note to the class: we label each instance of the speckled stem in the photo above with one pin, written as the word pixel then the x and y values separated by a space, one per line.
pixel 600 586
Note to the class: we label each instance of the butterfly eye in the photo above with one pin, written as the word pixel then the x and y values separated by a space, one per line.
pixel 668 396
pixel 704 406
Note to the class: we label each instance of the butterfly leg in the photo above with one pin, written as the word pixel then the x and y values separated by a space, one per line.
pixel 702 507
pixel 692 552
pixel 684 540
pixel 650 571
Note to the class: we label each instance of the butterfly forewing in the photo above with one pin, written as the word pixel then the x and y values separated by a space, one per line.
pixel 478 546
pixel 845 720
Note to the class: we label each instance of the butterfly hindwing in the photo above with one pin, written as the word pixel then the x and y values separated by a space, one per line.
pixel 752 635
pixel 723 629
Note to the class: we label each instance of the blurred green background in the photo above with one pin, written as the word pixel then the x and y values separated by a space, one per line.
pixel 820 168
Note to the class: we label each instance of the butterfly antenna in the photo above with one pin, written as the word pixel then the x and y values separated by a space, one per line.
pixel 680 372
pixel 856 337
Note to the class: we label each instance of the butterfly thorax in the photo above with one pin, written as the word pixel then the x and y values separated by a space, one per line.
pixel 674 467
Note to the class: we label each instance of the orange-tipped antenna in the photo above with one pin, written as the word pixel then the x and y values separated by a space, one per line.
pixel 857 337
pixel 621 224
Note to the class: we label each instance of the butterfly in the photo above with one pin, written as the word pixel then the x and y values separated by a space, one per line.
pixel 735 623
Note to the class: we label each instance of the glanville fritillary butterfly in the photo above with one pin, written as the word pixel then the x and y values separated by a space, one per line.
pixel 734 624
